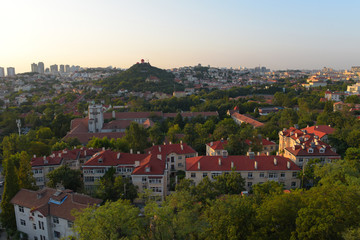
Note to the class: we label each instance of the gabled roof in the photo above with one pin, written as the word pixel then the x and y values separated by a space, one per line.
pixel 246 119
pixel 320 130
pixel 151 165
pixel 178 148
pixel 303 150
pixel 111 158
pixel 49 201
pixel 241 163
pixel 218 145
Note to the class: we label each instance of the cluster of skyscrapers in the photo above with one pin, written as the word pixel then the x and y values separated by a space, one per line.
pixel 10 72
pixel 40 68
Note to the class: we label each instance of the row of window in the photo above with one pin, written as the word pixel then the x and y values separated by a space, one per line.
pixel 156 189
pixel 37 171
pixel 250 175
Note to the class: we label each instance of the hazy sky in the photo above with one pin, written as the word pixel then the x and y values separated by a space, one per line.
pixel 279 34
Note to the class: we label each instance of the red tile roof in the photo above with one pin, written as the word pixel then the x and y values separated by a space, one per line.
pixel 241 163
pixel 218 145
pixel 111 158
pixel 320 130
pixel 117 124
pixel 44 201
pixel 151 165
pixel 303 150
pixel 246 119
pixel 178 148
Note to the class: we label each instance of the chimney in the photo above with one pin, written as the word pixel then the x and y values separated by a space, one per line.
pixel 131 151
pixel 34 156
pixel 170 142
pixel 288 165
pixel 232 164
pixel 138 152
pixel 219 161
pixel 103 148
pixel 164 143
pixel 199 165
pixel 159 149
pixel 153 144
pixel 256 165
pixel 59 155
pixel 85 153
pixel 267 154
pixel 258 153
pixel 159 156
pixel 137 163
pixel 251 155
pixel 182 147
pixel 118 156
pixel 275 161
pixel 113 114
pixel 212 143
pixel 44 157
pixel 181 142
pixel 277 153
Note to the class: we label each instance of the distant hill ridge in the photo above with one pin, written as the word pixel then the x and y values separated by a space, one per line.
pixel 134 79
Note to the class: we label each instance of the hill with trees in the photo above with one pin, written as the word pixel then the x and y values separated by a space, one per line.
pixel 141 77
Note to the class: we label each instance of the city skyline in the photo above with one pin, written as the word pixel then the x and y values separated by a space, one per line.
pixel 278 35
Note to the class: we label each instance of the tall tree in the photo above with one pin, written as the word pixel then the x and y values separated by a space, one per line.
pixel 136 136
pixel 25 174
pixel 11 187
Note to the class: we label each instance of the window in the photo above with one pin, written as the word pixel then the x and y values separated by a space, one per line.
pixel 172 159
pixel 22 222
pixel 301 160
pixel 42 237
pixel 249 184
pixel 250 175
pixel 282 175
pixel 214 175
pixel 311 150
pixel 35 238
pixel 180 164
pixel 262 175
pixel 55 220
pixel 144 179
pixel 294 174
pixel 154 180
pixel 70 224
pixel 273 175
pixel 56 234
pixel 89 179
pixel 34 226
pixel 180 157
pixel 21 209
pixel 193 175
pixel 156 189
pixel 293 184
pixel 265 148
pixel 100 170
pixel 204 174
pixel 41 225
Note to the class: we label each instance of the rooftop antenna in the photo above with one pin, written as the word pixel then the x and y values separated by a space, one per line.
pixel 18 123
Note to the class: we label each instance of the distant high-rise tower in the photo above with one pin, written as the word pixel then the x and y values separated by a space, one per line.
pixel 62 68
pixel 2 72
pixel 34 67
pixel 10 71
pixel 54 68
pixel 67 68
pixel 41 68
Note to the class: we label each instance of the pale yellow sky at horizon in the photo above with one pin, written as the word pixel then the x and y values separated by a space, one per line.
pixel 94 33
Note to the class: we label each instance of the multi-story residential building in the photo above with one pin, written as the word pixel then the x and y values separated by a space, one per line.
pixel 313 148
pixel 334 96
pixel 54 68
pixel 240 118
pixel 67 68
pixel 292 136
pixel 147 171
pixel 175 154
pixel 152 173
pixel 46 214
pixel 254 169
pixel 74 158
pixel 2 72
pixel 34 67
pixel 41 67
pixel 95 167
pixel 354 89
pixel 217 148
pixel 10 72
pixel 62 68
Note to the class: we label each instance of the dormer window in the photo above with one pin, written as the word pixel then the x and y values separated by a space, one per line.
pixel 100 160
pixel 147 169
pixel 322 150
pixel 311 150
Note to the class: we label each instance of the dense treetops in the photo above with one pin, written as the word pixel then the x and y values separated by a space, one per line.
pixel 134 79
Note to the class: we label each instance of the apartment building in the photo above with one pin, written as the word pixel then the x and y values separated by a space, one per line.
pixel 175 154
pixel 254 169
pixel 46 214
